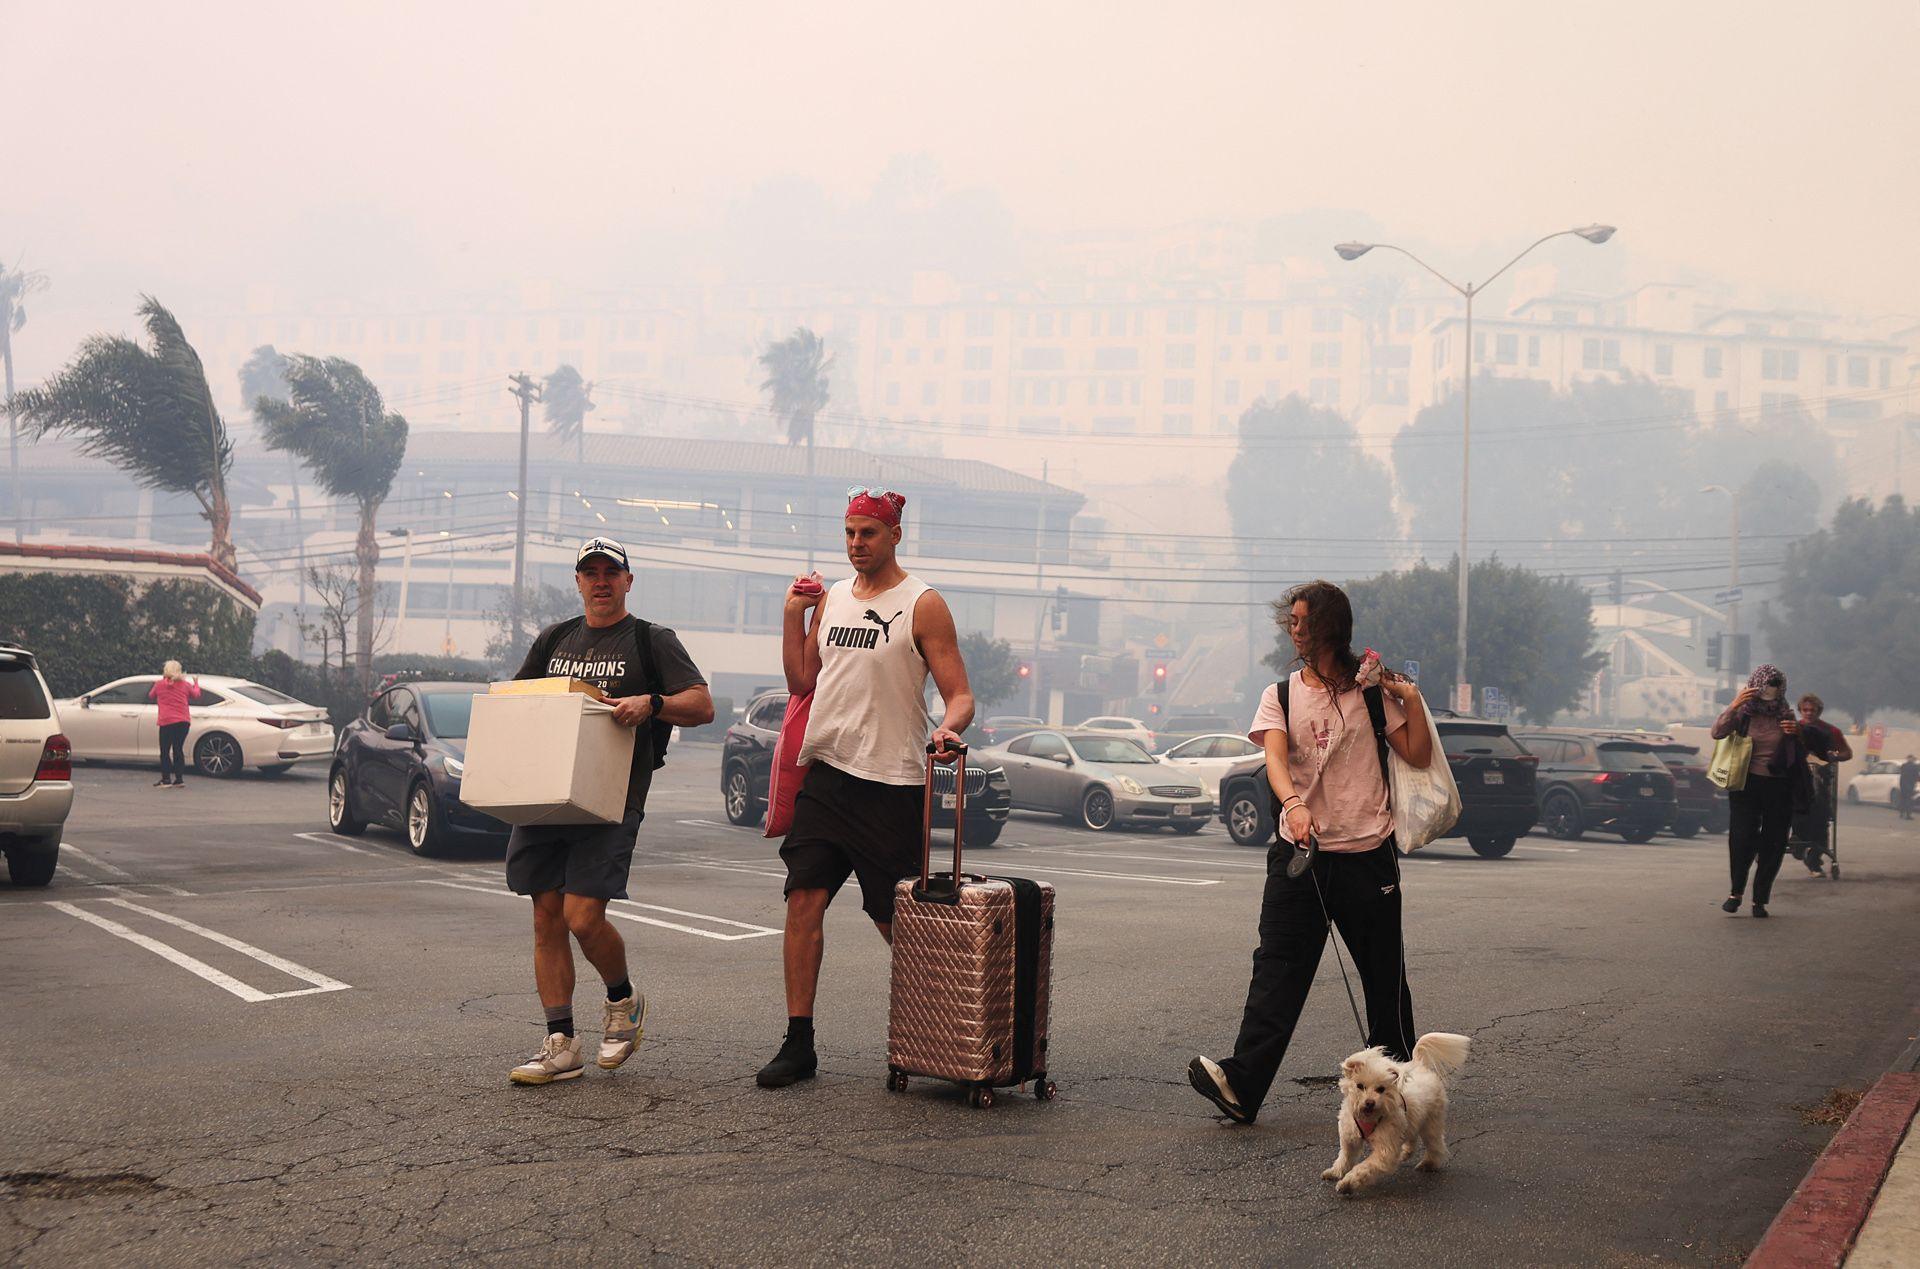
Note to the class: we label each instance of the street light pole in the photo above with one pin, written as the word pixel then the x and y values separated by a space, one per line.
pixel 1595 234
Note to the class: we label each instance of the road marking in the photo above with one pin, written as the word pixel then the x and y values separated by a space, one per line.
pixel 193 965
pixel 1124 876
pixel 1151 859
pixel 618 908
pixel 738 828
pixel 101 864
pixel 718 865
pixel 332 839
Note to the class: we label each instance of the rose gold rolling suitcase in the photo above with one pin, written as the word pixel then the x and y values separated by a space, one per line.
pixel 972 971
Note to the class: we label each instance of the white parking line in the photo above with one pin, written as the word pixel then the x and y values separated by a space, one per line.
pixel 1149 859
pixel 1121 876
pixel 618 908
pixel 708 861
pixel 101 864
pixel 330 839
pixel 193 965
pixel 738 828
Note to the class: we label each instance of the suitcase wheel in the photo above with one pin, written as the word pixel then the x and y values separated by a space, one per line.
pixel 980 1098
pixel 896 1081
pixel 1045 1089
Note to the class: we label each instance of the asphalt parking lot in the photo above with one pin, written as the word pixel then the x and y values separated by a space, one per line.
pixel 233 1036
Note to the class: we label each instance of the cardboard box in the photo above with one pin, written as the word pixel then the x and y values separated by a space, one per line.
pixel 545 687
pixel 553 757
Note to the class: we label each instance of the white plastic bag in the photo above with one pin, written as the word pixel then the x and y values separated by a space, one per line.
pixel 1425 803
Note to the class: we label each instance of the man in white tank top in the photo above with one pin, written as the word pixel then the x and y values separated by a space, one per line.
pixel 874 639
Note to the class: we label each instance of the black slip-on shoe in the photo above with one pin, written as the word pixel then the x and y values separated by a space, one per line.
pixel 1210 1082
pixel 1759 909
pixel 1732 904
pixel 793 1063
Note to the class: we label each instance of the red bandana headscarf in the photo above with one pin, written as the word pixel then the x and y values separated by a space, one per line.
pixel 885 507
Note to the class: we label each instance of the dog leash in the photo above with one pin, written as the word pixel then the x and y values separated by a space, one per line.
pixel 1303 861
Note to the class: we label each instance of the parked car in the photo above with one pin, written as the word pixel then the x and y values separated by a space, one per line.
pixel 1114 725
pixel 399 764
pixel 1495 776
pixel 1210 757
pixel 1878 781
pixel 36 771
pixel 1595 781
pixel 1001 728
pixel 236 723
pixel 1700 804
pixel 1180 728
pixel 1099 780
pixel 746 771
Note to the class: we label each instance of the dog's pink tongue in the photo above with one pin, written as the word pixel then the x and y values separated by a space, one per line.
pixel 1366 1129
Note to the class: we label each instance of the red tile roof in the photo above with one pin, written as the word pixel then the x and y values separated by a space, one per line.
pixel 126 555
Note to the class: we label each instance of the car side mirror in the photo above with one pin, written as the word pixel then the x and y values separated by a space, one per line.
pixel 86 702
pixel 1064 759
pixel 400 731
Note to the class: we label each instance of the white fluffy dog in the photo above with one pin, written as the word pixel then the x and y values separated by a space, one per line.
pixel 1390 1105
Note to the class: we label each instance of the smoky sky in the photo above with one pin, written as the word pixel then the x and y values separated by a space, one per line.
pixel 336 149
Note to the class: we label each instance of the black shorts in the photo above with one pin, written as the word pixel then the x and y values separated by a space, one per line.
pixel 844 825
pixel 590 860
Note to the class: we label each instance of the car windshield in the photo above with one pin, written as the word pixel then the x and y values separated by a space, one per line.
pixel 1478 742
pixel 1628 757
pixel 1112 750
pixel 20 694
pixel 447 713
pixel 263 695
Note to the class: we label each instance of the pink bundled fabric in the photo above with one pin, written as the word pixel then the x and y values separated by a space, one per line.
pixel 788 774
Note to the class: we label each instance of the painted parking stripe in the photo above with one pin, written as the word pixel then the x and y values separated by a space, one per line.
pixel 618 908
pixel 1122 876
pixel 738 828
pixel 708 861
pixel 194 965
pixel 1152 859
pixel 119 874
pixel 331 839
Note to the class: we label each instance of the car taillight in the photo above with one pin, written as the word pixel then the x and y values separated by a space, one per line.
pixel 1603 777
pixel 1531 759
pixel 56 760
pixel 283 724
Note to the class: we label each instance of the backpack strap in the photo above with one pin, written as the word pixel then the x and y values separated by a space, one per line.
pixel 1377 714
pixel 643 644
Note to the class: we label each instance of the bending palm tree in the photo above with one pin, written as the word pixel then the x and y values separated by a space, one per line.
pixel 265 375
pixel 15 285
pixel 796 387
pixel 147 411
pixel 334 420
pixel 568 400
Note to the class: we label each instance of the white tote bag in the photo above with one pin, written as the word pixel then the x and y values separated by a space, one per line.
pixel 1425 803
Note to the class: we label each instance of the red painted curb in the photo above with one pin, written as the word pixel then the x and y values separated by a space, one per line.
pixel 1819 1223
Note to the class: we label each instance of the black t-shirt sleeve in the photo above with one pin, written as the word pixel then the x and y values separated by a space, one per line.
pixel 677 670
pixel 539 654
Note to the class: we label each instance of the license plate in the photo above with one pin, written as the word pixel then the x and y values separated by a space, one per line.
pixel 1645 792
pixel 1182 808
pixel 948 801
pixel 1494 777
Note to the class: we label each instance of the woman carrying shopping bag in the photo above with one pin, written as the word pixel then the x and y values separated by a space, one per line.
pixel 1761 809
pixel 174 695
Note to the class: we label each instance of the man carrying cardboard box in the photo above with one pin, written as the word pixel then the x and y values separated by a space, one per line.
pixel 874 639
pixel 571 870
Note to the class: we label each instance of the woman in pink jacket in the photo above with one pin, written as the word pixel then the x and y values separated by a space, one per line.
pixel 173 694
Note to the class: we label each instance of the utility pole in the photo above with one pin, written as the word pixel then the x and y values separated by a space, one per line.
pixel 1039 595
pixel 528 392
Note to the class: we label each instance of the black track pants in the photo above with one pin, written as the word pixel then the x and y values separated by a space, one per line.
pixel 1759 817
pixel 1362 892
pixel 173 755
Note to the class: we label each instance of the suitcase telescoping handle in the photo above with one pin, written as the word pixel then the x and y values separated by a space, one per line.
pixel 956 754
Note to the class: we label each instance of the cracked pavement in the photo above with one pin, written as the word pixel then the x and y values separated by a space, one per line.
pixel 1638 1057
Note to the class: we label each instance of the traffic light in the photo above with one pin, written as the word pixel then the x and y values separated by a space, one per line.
pixel 1026 669
pixel 1713 651
pixel 1160 676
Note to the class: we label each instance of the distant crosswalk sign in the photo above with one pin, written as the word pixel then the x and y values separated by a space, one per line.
pixel 1412 669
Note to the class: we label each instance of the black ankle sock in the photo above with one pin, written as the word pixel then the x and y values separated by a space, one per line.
pixel 560 1019
pixel 800 1031
pixel 620 990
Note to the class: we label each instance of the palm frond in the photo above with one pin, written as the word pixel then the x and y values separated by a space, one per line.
pixel 566 399
pixel 264 374
pixel 335 422
pixel 796 382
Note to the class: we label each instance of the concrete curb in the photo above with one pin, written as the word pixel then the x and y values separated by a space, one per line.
pixel 1818 1225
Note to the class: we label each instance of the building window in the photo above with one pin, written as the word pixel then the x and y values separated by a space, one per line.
pixel 1600 354
pixel 1886 371
pixel 897 326
pixel 1043 325
pixel 1778 403
pixel 1857 370
pixel 978 358
pixel 1533 350
pixel 1233 323
pixel 976 392
pixel 1720 401
pixel 1179 356
pixel 886 356
pixel 1403 321
pixel 979 325
pixel 1039 424
pixel 1276 320
pixel 1225 353
pixel 1113 425
pixel 1780 363
pixel 933 325
pixel 1253 352
pixel 1043 358
pixel 1326 320
pixel 1325 392
pixel 893 394
pixel 1180 321
pixel 1663 359
pixel 913 354
pixel 930 393
pixel 1279 352
pixel 1177 392
pixel 1506 350
pixel 1833 369
pixel 1230 392
pixel 1116 359
pixel 1177 425
pixel 1326 356
pixel 1710 363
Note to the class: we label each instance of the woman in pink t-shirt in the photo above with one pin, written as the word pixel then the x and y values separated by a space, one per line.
pixel 1326 762
pixel 174 695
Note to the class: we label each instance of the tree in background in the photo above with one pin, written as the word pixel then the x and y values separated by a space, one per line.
pixel 1528 634
pixel 1847 621
pixel 92 628
pixel 540 607
pixel 16 284
pixel 147 411
pixel 796 388
pixel 1782 497
pixel 993 671
pixel 335 421
pixel 264 374
pixel 568 399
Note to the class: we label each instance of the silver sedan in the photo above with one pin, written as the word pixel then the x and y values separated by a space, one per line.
pixel 1099 781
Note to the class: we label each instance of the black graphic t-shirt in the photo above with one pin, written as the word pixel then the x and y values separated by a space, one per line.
pixel 609 658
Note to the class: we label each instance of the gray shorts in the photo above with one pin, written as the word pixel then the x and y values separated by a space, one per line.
pixel 590 860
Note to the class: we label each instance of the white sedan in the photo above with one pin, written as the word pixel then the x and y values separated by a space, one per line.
pixel 236 723
pixel 1878 782
pixel 1114 725
pixel 1210 757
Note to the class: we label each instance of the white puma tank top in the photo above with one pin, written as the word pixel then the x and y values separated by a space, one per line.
pixel 869 714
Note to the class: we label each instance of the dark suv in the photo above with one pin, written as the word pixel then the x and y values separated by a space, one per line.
pixel 1495 775
pixel 1590 780
pixel 746 769
pixel 1700 803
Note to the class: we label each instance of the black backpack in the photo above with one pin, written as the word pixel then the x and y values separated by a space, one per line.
pixel 649 675
pixel 1376 713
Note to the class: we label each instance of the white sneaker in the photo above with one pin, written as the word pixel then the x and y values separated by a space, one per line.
pixel 558 1059
pixel 626 1023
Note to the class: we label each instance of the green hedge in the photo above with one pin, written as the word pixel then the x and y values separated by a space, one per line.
pixel 88 629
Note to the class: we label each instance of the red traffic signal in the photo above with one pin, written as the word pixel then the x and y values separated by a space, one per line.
pixel 1026 670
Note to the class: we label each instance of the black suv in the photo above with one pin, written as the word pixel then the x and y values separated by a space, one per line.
pixel 400 764
pixel 746 769
pixel 1700 803
pixel 1589 780
pixel 1495 776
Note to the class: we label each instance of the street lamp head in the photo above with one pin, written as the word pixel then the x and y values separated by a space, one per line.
pixel 1596 233
pixel 1352 250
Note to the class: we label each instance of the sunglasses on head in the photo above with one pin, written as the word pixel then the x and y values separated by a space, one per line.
pixel 867 491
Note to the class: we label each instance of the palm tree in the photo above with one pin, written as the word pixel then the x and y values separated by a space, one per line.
pixel 334 420
pixel 796 388
pixel 569 399
pixel 15 285
pixel 264 374
pixel 147 411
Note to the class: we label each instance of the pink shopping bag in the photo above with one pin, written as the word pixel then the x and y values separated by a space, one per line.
pixel 787 774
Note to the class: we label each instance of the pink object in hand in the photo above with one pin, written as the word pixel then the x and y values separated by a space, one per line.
pixel 783 786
